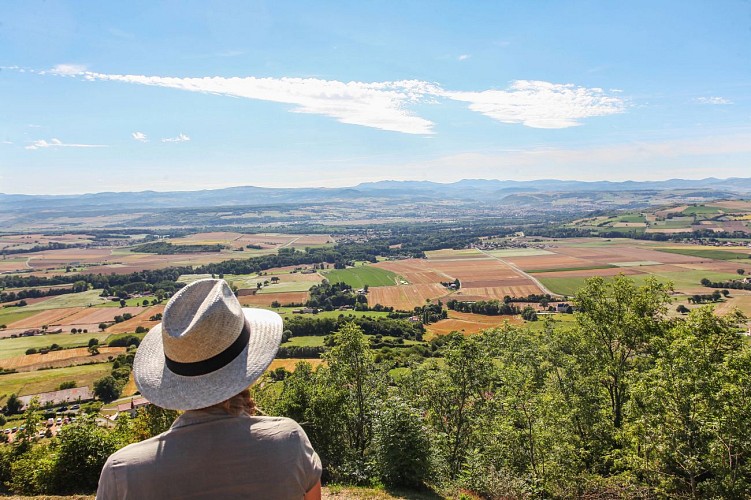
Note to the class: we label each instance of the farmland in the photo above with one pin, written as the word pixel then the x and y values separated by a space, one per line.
pixel 48 380
pixel 360 276
pixel 506 267
pixel 18 346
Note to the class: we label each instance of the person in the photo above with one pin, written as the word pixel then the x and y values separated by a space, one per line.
pixel 202 358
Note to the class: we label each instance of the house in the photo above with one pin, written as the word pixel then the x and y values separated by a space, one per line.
pixel 563 307
pixel 132 407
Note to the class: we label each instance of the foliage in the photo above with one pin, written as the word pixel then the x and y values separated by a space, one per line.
pixel 402 445
pixel 107 388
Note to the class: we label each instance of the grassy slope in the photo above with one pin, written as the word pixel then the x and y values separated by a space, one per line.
pixel 48 380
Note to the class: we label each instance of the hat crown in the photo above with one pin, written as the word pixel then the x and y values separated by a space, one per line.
pixel 200 321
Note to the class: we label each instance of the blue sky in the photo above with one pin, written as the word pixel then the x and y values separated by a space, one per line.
pixel 128 96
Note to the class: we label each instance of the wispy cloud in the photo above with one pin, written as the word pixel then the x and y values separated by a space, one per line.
pixel 139 136
pixel 384 105
pixel 379 105
pixel 464 57
pixel 57 143
pixel 540 104
pixel 717 101
pixel 180 138
pixel 6 142
pixel 68 69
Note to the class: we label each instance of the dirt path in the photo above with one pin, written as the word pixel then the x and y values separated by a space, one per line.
pixel 526 275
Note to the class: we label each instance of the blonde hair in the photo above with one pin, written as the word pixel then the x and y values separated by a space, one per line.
pixel 239 404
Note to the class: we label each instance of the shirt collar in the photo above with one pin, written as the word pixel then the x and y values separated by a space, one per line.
pixel 193 417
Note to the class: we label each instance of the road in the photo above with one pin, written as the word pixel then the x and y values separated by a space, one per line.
pixel 527 275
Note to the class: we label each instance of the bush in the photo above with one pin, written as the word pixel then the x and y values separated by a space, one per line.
pixel 31 350
pixel 402 445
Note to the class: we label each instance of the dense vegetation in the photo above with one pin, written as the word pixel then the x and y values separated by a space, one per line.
pixel 627 402
pixel 166 248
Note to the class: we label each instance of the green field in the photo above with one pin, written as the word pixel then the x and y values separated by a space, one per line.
pixel 306 341
pixel 38 381
pixel 17 347
pixel 82 299
pixel 681 280
pixel 703 210
pixel 11 314
pixel 631 218
pixel 358 277
pixel 706 253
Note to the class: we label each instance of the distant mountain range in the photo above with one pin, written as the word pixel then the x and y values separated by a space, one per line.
pixel 480 190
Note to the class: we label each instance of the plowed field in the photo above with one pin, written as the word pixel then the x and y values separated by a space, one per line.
pixel 405 297
pixel 265 299
pixel 469 323
pixel 48 317
pixel 416 271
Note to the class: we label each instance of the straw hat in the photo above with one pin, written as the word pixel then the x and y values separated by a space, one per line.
pixel 206 349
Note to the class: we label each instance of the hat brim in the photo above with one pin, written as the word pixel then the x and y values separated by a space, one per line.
pixel 178 392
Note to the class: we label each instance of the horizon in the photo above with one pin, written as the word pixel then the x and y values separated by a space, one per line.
pixel 288 95
pixel 380 181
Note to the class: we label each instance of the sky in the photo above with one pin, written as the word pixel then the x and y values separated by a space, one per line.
pixel 150 95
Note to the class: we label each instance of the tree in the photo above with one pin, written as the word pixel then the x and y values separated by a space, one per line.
pixel 93 341
pixel 107 389
pixel 122 302
pixel 13 404
pixel 102 326
pixel 741 271
pixel 617 321
pixel 529 314
pixel 453 396
pixel 682 309
pixel 688 431
pixel 352 368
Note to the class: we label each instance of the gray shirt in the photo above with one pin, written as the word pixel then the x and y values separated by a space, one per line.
pixel 209 454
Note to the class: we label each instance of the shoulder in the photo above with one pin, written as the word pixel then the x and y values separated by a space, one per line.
pixel 135 452
pixel 279 425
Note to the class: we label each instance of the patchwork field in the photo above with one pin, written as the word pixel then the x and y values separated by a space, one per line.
pixel 415 271
pixel 59 359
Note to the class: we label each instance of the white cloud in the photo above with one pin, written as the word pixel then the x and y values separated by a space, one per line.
pixel 57 143
pixel 180 138
pixel 379 105
pixel 139 136
pixel 6 142
pixel 68 69
pixel 464 57
pixel 717 101
pixel 540 104
pixel 384 105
